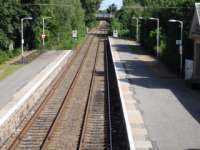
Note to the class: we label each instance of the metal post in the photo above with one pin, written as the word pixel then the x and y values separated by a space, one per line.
pixel 181 49
pixel 158 35
pixel 140 18
pixel 22 36
pixel 180 44
pixel 137 32
pixel 43 29
pixel 137 28
pixel 158 38
pixel 22 40
pixel 43 41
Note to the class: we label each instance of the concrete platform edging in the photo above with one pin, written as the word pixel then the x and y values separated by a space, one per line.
pixel 125 112
pixel 25 99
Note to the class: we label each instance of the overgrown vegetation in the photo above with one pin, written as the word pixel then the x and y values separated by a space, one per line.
pixel 90 7
pixel 170 32
pixel 66 15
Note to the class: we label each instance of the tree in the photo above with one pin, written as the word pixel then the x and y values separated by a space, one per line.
pixel 91 8
pixel 64 19
pixel 164 10
pixel 112 9
pixel 67 15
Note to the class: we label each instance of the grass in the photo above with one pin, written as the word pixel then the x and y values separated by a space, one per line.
pixel 80 41
pixel 8 69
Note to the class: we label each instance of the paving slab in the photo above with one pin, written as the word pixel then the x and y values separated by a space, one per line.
pixel 170 110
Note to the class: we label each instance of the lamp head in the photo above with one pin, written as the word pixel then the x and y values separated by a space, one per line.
pixel 152 18
pixel 29 18
pixel 172 20
pixel 26 18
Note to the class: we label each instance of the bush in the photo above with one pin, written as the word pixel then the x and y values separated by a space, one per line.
pixel 115 25
pixel 10 54
pixel 16 52
pixel 3 56
pixel 170 32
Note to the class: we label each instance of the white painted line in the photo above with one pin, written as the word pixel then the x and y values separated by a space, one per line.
pixel 125 112
pixel 31 91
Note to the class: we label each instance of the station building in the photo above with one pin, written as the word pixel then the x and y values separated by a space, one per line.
pixel 195 35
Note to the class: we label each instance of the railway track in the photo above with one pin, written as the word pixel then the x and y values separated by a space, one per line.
pixel 68 124
pixel 35 132
pixel 74 114
pixel 95 124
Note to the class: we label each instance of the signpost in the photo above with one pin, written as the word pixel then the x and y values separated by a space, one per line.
pixel 115 33
pixel 188 69
pixel 43 36
pixel 43 30
pixel 74 34
pixel 178 42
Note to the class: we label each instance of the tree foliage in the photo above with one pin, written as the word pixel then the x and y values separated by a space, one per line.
pixel 66 15
pixel 91 7
pixel 112 9
pixel 170 32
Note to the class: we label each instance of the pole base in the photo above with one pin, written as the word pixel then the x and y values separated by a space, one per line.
pixel 23 60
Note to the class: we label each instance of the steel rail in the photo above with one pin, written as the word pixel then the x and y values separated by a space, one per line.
pixel 70 88
pixel 89 99
pixel 37 113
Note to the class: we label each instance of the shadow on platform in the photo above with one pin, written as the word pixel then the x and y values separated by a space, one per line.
pixel 140 74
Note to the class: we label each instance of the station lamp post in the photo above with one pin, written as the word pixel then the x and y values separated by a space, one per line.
pixel 137 28
pixel 180 43
pixel 22 36
pixel 158 35
pixel 140 18
pixel 43 30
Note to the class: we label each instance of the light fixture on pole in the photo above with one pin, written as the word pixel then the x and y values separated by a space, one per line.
pixel 158 35
pixel 179 42
pixel 43 30
pixel 22 36
pixel 137 28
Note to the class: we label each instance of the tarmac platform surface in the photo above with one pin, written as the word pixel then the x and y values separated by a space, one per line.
pixel 13 83
pixel 22 92
pixel 162 113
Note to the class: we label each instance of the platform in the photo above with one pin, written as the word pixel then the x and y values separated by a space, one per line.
pixel 23 89
pixel 159 110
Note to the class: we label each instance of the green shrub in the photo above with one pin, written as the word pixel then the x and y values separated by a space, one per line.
pixel 16 52
pixel 170 32
pixel 3 57
pixel 115 25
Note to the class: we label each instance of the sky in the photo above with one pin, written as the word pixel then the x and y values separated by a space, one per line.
pixel 106 3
